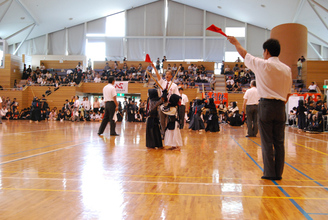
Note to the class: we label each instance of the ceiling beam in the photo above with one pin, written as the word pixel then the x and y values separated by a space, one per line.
pixel 36 21
pixel 24 40
pixel 320 5
pixel 318 38
pixel 298 11
pixel 323 22
pixel 18 32
pixel 315 50
pixel 4 2
pixel 6 9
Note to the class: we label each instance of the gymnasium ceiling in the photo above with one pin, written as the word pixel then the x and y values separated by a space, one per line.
pixel 18 16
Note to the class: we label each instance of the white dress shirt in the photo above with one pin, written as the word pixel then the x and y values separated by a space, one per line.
pixel 273 78
pixel 184 99
pixel 173 90
pixel 252 96
pixel 109 93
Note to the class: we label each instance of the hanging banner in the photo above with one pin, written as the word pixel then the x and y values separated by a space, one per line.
pixel 306 95
pixel 121 87
pixel 217 96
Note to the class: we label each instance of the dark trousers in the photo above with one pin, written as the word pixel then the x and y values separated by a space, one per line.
pixel 272 118
pixel 182 110
pixel 108 117
pixel 252 124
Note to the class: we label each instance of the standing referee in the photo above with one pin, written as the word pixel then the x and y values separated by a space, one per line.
pixel 111 106
pixel 274 83
pixel 251 101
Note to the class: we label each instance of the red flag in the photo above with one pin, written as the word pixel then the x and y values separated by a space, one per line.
pixel 243 117
pixel 148 58
pixel 216 29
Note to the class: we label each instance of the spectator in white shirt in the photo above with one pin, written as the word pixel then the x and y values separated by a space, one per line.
pixel 97 79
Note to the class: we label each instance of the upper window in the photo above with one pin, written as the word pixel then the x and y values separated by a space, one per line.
pixel 235 31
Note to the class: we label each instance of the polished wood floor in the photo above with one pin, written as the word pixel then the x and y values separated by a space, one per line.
pixel 63 170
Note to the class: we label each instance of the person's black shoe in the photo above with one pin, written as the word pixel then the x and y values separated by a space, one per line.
pixel 99 134
pixel 248 136
pixel 271 178
pixel 114 135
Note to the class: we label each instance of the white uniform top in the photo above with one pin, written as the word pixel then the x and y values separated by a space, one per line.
pixel 109 93
pixel 252 96
pixel 273 78
pixel 173 90
pixel 184 99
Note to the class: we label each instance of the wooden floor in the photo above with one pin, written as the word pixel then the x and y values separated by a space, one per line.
pixel 63 170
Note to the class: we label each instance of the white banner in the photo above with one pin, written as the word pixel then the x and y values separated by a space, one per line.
pixel 121 87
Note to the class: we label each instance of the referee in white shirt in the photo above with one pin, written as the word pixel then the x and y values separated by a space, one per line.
pixel 251 101
pixel 182 107
pixel 111 106
pixel 274 83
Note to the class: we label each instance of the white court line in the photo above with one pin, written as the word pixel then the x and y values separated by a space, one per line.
pixel 308 136
pixel 26 132
pixel 34 155
pixel 156 182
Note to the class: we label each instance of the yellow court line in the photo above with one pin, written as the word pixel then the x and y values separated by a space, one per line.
pixel 311 149
pixel 152 176
pixel 173 194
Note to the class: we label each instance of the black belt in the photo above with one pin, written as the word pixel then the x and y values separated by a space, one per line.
pixel 109 101
pixel 271 100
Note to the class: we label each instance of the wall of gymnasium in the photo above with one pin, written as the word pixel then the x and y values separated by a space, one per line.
pixel 182 37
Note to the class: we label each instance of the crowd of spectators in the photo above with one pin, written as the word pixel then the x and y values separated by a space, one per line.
pixel 237 78
pixel 308 115
pixel 187 77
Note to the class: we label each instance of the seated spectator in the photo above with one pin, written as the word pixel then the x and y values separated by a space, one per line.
pixel 312 87
pixel 230 81
pixel 138 117
pixel 174 68
pixel 97 79
pixel 95 117
pixel 52 115
pixel 229 87
pixel 237 87
pixel 48 92
pixel 3 113
pixel 107 67
pixel 9 115
pixel 235 68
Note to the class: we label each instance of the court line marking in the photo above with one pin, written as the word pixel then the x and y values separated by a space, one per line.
pixel 310 148
pixel 159 182
pixel 26 132
pixel 6 155
pixel 152 176
pixel 308 136
pixel 318 213
pixel 315 181
pixel 172 194
pixel 307 216
pixel 46 152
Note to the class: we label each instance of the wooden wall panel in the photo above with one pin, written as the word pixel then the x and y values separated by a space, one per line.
pixel 317 71
pixel 16 69
pixel 66 64
pixel 236 97
pixel 101 64
pixel 208 65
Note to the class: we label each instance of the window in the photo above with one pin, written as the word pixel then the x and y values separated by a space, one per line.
pixel 235 31
pixel 232 57
pixel 115 25
pixel 96 51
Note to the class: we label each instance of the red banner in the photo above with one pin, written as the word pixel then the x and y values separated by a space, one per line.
pixel 306 95
pixel 218 97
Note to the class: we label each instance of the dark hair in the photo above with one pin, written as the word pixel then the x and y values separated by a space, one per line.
pixel 253 83
pixel 180 88
pixel 111 79
pixel 273 47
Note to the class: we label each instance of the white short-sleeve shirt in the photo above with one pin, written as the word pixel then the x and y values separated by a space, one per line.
pixel 273 78
pixel 109 93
